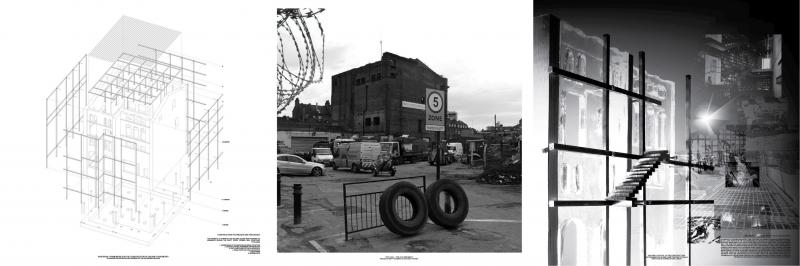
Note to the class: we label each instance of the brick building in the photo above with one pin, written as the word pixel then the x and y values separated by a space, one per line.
pixel 306 112
pixel 369 99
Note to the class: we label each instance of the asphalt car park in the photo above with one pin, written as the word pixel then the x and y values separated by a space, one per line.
pixel 492 225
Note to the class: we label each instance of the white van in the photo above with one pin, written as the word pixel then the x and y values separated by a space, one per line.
pixel 455 148
pixel 356 155
pixel 322 155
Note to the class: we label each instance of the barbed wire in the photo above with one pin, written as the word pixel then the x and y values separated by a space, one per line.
pixel 292 80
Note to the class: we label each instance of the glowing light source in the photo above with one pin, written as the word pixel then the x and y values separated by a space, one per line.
pixel 706 119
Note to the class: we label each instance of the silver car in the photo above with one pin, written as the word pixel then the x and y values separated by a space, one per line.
pixel 294 165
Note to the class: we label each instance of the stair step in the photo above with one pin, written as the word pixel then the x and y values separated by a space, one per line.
pixel 636 178
pixel 647 160
pixel 621 198
pixel 646 164
pixel 655 154
pixel 641 167
pixel 627 191
pixel 633 182
pixel 623 193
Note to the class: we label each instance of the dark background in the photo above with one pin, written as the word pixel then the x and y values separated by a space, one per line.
pixel 671 34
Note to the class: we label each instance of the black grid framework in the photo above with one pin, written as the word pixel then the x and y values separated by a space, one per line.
pixel 547 41
pixel 742 202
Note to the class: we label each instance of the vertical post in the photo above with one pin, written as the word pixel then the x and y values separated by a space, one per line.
pixel 630 150
pixel 448 204
pixel 344 203
pixel 298 194
pixel 547 37
pixel 438 154
pixel 689 152
pixel 606 95
pixel 484 155
pixel 642 89
pixel 279 189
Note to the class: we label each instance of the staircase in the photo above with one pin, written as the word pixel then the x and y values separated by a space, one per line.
pixel 637 177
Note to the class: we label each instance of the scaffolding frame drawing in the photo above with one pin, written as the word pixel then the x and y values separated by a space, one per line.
pixel 107 137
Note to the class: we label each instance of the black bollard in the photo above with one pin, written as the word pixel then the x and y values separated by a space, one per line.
pixel 279 189
pixel 298 193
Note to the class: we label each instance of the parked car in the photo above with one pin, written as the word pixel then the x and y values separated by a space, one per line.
pixel 322 155
pixel 294 165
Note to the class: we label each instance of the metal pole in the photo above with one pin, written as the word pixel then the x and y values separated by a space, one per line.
pixel 689 152
pixel 298 194
pixel 606 95
pixel 642 89
pixel 344 204
pixel 438 154
pixel 630 150
pixel 548 38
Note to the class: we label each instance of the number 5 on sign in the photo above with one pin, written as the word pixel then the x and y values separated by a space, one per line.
pixel 434 110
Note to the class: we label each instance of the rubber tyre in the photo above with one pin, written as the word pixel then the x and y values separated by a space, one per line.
pixel 393 172
pixel 316 171
pixel 386 208
pixel 334 166
pixel 460 203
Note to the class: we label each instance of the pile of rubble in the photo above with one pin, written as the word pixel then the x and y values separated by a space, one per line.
pixel 506 173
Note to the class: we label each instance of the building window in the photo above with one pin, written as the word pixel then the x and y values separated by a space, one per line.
pixel 419 126
pixel 367 122
pixel 378 76
pixel 393 75
pixel 376 121
pixel 372 77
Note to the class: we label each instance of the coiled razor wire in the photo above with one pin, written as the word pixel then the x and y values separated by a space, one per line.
pixel 293 79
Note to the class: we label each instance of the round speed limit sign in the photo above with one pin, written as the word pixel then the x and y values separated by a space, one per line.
pixel 435 102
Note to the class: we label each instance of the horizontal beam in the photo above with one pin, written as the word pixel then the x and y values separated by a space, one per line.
pixel 572 148
pixel 623 203
pixel 673 202
pixel 600 84
pixel 579 149
pixel 681 163
pixel 586 203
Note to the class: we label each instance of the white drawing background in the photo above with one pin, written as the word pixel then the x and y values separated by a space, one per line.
pixel 42 41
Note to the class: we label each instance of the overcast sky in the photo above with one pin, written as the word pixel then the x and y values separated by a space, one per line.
pixel 479 53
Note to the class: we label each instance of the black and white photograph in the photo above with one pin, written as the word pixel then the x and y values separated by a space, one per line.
pixel 397 134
